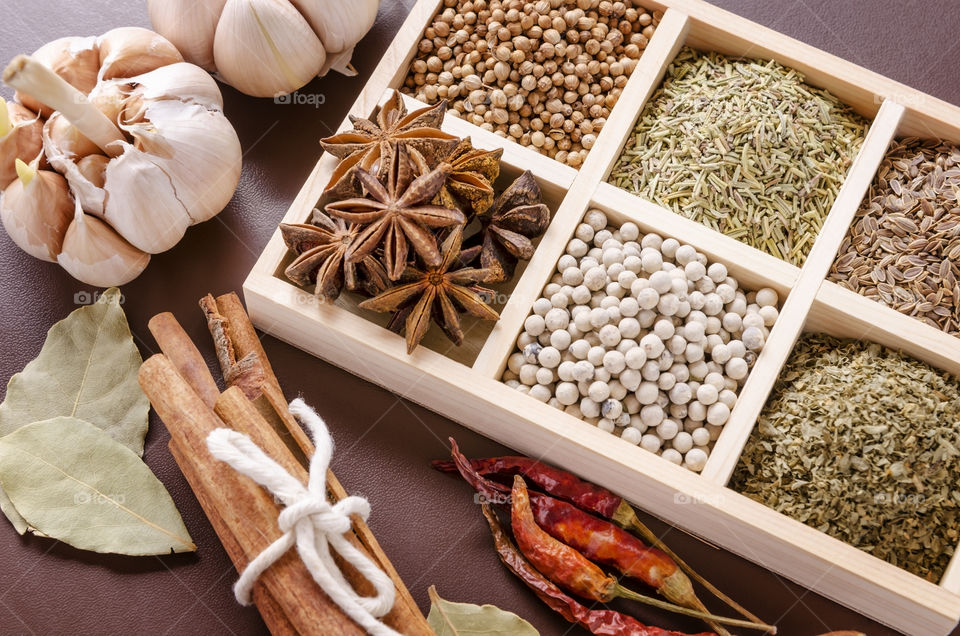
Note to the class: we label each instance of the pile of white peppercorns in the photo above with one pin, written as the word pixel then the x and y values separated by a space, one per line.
pixel 642 337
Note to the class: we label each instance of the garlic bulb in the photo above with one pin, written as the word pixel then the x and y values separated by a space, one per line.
pixel 36 210
pixel 266 48
pixel 140 156
pixel 95 254
pixel 20 138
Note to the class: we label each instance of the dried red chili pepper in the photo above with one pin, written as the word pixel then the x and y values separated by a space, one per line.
pixel 586 496
pixel 558 483
pixel 603 622
pixel 596 538
pixel 569 569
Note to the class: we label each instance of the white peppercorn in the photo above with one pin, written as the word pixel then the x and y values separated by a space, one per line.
pixel 650 443
pixel 673 456
pixel 696 459
pixel 631 434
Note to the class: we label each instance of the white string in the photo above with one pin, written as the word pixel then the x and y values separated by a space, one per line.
pixel 309 522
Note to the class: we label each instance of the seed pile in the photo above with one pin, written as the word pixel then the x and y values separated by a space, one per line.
pixel 744 147
pixel 862 443
pixel 903 249
pixel 545 74
pixel 642 337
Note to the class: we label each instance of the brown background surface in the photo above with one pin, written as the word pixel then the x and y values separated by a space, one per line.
pixel 426 522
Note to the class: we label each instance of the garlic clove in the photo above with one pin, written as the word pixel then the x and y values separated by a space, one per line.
pixel 21 135
pixel 36 210
pixel 197 148
pixel 94 169
pixel 141 204
pixel 265 48
pixel 108 96
pixel 190 26
pixel 183 82
pixel 66 138
pixel 340 26
pixel 74 59
pixel 95 254
pixel 130 51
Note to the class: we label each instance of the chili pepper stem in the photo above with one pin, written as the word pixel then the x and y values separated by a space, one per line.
pixel 670 607
pixel 626 518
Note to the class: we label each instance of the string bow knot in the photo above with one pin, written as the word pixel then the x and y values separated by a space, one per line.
pixel 309 522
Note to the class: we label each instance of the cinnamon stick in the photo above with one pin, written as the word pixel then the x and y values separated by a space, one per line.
pixel 177 346
pixel 235 335
pixel 270 611
pixel 248 511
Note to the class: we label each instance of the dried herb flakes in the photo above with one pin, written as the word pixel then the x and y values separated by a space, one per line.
pixel 862 443
pixel 744 147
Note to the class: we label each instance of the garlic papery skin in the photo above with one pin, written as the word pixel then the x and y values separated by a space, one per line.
pixel 75 59
pixel 183 82
pixel 21 136
pixel 36 210
pixel 95 254
pixel 266 48
pixel 190 25
pixel 340 25
pixel 130 51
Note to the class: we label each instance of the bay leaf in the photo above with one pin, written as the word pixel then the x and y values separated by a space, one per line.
pixel 87 369
pixel 73 482
pixel 6 507
pixel 463 619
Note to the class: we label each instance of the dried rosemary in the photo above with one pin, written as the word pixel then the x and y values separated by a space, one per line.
pixel 903 248
pixel 744 147
pixel 863 443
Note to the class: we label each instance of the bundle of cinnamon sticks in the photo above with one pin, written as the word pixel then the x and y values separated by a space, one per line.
pixel 186 397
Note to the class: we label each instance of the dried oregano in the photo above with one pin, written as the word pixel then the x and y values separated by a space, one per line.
pixel 744 147
pixel 863 443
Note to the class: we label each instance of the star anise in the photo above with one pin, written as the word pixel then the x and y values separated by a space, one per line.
pixel 370 142
pixel 397 215
pixel 321 249
pixel 513 221
pixel 440 293
pixel 473 171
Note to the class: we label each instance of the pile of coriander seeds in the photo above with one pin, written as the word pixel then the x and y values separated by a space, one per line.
pixel 545 74
pixel 644 338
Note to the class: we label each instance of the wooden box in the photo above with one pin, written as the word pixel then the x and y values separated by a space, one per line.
pixel 463 383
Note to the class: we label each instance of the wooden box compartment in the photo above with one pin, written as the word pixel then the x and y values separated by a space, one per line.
pixel 464 385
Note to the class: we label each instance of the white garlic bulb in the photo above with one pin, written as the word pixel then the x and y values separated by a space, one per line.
pixel 266 48
pixel 183 152
pixel 145 152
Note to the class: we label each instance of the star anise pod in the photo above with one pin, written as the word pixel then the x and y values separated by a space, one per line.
pixel 321 248
pixel 372 142
pixel 397 215
pixel 440 293
pixel 473 171
pixel 513 221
